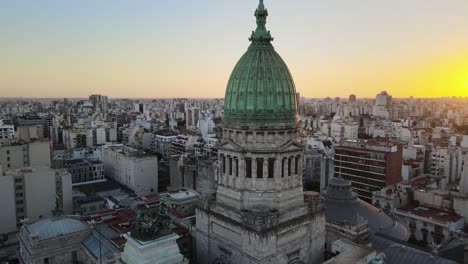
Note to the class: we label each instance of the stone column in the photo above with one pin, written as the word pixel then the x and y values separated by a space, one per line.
pixel 234 172
pixel 228 178
pixel 277 175
pixel 301 168
pixel 265 168
pixel 234 167
pixel 242 172
pixel 285 167
pixel 293 165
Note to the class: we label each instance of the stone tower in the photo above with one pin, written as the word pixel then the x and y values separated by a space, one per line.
pixel 258 213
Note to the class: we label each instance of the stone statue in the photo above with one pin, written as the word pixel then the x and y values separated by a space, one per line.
pixel 146 228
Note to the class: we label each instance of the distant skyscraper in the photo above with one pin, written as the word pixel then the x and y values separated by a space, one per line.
pixel 192 117
pixel 100 102
pixel 260 214
pixel 352 98
pixel 139 107
pixel 383 101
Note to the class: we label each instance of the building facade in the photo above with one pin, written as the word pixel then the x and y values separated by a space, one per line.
pixel 28 134
pixel 34 193
pixel 429 224
pixel 25 155
pixel 260 214
pixel 132 168
pixel 7 133
pixel 369 165
pixel 447 162
pixel 85 171
pixel 53 241
pixel 162 142
pixel 44 121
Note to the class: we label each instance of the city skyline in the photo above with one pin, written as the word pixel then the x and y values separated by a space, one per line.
pixel 156 49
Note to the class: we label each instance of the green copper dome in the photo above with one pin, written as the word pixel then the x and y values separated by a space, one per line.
pixel 261 92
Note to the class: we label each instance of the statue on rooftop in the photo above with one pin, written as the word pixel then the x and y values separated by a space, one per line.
pixel 146 228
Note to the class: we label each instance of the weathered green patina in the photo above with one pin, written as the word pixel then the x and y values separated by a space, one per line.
pixel 261 93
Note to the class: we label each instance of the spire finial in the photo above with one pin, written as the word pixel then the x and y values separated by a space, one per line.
pixel 261 6
pixel 261 33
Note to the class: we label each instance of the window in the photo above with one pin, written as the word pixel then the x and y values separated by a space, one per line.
pixel 223 164
pixel 8 152
pixel 248 168
pixel 271 168
pixel 237 167
pixel 282 168
pixel 230 166
pixel 259 168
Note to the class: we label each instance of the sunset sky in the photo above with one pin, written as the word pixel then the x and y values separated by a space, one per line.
pixel 185 48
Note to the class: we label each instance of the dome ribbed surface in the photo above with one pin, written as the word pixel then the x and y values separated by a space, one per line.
pixel 261 91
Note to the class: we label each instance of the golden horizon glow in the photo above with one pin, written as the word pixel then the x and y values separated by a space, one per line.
pixel 332 48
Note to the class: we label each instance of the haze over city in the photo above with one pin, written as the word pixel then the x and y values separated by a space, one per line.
pixel 225 132
pixel 162 49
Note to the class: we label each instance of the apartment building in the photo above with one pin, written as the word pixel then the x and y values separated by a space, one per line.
pixel 30 194
pixel 132 168
pixel 369 165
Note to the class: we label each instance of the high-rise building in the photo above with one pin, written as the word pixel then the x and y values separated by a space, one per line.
pixel 132 168
pixel 352 98
pixel 260 214
pixel 7 133
pixel 100 102
pixel 44 121
pixel 32 194
pixel 25 155
pixel 383 102
pixel 192 117
pixel 85 171
pixel 369 165
pixel 28 134
pixel 447 162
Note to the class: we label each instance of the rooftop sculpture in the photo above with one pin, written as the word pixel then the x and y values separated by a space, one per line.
pixel 146 228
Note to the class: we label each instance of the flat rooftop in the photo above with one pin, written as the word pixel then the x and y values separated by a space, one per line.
pixel 350 253
pixel 424 180
pixel 183 195
pixel 130 152
pixel 431 213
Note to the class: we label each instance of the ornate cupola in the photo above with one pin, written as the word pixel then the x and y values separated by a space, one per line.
pixel 259 155
pixel 261 92
pixel 258 214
